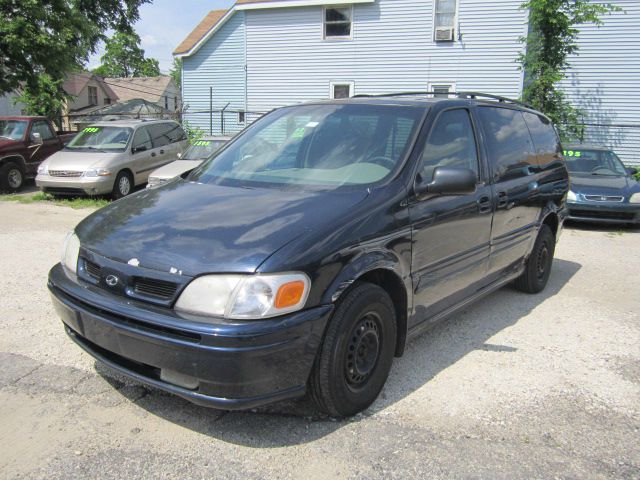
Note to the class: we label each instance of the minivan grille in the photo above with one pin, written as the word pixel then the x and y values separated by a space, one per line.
pixel 65 173
pixel 92 269
pixel 155 288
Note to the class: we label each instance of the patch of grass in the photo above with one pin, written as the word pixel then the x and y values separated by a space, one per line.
pixel 74 202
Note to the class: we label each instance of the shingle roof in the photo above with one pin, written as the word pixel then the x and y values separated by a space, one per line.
pixel 152 89
pixel 75 83
pixel 200 31
pixel 257 1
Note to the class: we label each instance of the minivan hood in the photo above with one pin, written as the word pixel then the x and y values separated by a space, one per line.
pixel 195 228
pixel 80 160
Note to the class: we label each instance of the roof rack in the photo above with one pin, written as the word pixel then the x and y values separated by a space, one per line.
pixel 470 95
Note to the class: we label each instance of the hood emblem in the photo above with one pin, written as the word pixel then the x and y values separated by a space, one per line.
pixel 112 280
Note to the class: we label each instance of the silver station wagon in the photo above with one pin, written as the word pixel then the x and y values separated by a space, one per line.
pixel 111 157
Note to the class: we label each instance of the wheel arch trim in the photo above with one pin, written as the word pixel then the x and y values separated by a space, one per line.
pixel 383 261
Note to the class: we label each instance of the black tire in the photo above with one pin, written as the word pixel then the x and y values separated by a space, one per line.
pixel 123 185
pixel 538 266
pixel 11 177
pixel 356 355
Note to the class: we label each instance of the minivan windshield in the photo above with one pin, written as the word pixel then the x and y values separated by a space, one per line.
pixel 108 139
pixel 327 145
pixel 593 162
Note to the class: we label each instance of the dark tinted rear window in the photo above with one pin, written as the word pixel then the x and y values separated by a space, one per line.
pixel 545 139
pixel 509 144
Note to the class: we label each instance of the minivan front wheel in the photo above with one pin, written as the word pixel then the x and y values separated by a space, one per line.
pixel 538 266
pixel 123 185
pixel 355 358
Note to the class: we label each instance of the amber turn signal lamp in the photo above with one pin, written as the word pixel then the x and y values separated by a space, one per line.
pixel 289 294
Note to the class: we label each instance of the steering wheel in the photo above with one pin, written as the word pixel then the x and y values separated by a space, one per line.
pixel 382 161
pixel 601 168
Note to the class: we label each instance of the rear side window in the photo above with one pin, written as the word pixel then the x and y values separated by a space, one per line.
pixel 160 134
pixel 142 139
pixel 545 139
pixel 175 133
pixel 451 144
pixel 509 145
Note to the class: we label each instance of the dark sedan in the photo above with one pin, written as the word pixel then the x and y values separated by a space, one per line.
pixel 602 189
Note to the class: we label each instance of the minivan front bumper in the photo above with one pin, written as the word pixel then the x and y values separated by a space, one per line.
pixel 230 365
pixel 75 185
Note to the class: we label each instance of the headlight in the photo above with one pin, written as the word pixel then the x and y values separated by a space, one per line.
pixel 97 172
pixel 635 198
pixel 571 196
pixel 245 296
pixel 155 181
pixel 43 169
pixel 70 252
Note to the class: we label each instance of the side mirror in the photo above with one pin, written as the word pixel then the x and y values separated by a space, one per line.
pixel 449 181
pixel 140 148
pixel 36 138
pixel 631 170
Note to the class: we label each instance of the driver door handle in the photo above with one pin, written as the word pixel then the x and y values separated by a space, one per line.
pixel 484 204
pixel 153 154
pixel 161 151
pixel 503 199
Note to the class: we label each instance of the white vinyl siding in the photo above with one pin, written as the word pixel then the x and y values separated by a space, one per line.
pixel 219 63
pixel 604 80
pixel 392 50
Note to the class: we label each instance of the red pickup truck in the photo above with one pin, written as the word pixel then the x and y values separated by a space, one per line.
pixel 24 143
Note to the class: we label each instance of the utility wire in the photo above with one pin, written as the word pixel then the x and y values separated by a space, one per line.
pixel 102 79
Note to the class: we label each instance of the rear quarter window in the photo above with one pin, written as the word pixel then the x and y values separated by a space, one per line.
pixel 509 145
pixel 545 139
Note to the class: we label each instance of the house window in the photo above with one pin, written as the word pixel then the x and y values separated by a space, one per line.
pixel 442 89
pixel 175 103
pixel 337 22
pixel 241 118
pixel 444 20
pixel 166 102
pixel 341 89
pixel 93 95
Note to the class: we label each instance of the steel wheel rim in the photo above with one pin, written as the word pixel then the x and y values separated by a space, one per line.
pixel 543 260
pixel 124 185
pixel 14 178
pixel 363 350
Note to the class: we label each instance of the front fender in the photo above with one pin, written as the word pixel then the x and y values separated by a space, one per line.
pixel 366 262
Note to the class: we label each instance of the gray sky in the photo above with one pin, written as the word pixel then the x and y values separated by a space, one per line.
pixel 163 25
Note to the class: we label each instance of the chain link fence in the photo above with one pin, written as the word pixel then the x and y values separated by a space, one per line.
pixel 220 121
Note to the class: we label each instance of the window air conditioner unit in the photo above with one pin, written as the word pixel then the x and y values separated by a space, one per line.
pixel 444 34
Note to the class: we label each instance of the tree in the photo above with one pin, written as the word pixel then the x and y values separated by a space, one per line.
pixel 54 37
pixel 176 71
pixel 552 38
pixel 44 98
pixel 123 57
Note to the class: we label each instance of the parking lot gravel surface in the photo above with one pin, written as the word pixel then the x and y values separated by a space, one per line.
pixel 515 386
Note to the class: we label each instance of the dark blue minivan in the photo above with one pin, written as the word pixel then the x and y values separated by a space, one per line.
pixel 303 255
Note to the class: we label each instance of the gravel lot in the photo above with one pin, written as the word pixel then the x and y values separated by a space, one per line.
pixel 517 386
